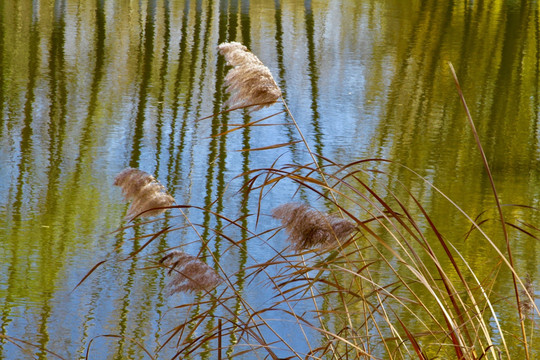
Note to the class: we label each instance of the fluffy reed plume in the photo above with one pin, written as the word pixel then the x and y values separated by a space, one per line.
pixel 188 273
pixel 309 228
pixel 145 191
pixel 525 296
pixel 249 82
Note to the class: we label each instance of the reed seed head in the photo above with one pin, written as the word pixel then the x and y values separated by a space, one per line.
pixel 249 82
pixel 188 273
pixel 526 295
pixel 145 192
pixel 309 228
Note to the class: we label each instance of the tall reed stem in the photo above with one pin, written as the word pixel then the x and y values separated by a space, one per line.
pixel 315 162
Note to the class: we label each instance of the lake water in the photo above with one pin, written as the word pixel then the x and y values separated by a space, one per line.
pixel 88 88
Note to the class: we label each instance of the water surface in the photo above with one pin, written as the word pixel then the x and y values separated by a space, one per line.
pixel 88 88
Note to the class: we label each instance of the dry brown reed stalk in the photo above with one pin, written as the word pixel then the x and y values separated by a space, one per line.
pixel 527 298
pixel 249 82
pixel 309 228
pixel 510 260
pixel 188 273
pixel 148 196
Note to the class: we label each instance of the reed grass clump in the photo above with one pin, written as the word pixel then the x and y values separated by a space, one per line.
pixel 309 228
pixel 189 274
pixel 249 83
pixel 402 290
pixel 527 298
pixel 147 195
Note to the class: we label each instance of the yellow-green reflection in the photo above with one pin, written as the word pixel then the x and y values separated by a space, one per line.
pixel 90 87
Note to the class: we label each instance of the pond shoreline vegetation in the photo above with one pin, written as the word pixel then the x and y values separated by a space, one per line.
pixel 335 254
pixel 325 259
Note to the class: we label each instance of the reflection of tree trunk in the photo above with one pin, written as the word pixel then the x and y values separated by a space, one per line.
pixel 146 75
pixel 163 76
pixel 412 86
pixel 223 27
pixel 423 85
pixel 503 127
pixel 205 49
pixel 281 73
pixel 217 147
pixel 177 90
pixel 12 272
pixel 2 70
pixel 536 101
pixel 50 252
pixel 95 86
pixel 313 77
pixel 223 126
pixel 159 278
pixel 26 132
pixel 58 101
pixel 218 100
pixel 279 46
pixel 147 52
pixel 401 71
pixel 175 166
pixel 244 201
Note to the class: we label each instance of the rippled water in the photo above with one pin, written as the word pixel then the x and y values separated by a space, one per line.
pixel 88 88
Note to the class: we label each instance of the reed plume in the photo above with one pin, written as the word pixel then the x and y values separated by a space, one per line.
pixel 526 294
pixel 147 194
pixel 249 82
pixel 309 228
pixel 188 273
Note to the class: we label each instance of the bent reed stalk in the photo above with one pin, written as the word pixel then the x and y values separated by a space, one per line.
pixel 383 281
pixel 497 202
